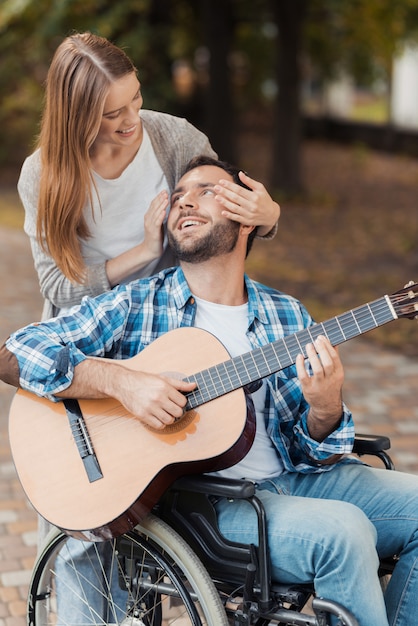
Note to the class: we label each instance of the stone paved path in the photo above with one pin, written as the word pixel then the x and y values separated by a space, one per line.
pixel 381 389
pixel 20 304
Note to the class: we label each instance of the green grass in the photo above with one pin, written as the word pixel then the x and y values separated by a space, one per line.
pixel 375 111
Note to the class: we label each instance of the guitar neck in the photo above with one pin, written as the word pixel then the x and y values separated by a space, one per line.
pixel 247 368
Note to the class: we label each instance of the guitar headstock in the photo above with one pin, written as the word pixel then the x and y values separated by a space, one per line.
pixel 405 301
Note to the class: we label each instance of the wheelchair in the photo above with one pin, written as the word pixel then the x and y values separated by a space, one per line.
pixel 176 569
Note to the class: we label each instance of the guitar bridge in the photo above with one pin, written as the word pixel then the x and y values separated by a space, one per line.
pixel 82 440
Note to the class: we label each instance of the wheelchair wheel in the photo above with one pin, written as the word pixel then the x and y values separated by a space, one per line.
pixel 147 577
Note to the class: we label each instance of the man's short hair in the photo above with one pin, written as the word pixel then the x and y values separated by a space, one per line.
pixel 201 160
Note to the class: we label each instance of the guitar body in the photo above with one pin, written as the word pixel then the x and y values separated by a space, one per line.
pixel 137 462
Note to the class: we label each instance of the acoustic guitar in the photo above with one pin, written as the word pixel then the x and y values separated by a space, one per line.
pixel 93 470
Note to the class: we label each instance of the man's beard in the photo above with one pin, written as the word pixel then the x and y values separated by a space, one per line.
pixel 222 239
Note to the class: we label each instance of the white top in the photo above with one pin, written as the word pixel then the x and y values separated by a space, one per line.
pixel 114 232
pixel 230 324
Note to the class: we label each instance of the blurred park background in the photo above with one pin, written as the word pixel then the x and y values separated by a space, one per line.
pixel 318 99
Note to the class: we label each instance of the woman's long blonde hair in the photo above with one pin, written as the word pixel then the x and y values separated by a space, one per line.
pixel 82 69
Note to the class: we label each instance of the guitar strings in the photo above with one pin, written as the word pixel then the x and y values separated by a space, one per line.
pixel 238 372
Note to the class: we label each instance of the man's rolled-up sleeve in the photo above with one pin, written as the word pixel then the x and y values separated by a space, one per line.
pixel 45 367
pixel 339 442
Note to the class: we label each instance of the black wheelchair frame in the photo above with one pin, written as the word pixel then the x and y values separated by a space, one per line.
pixel 188 508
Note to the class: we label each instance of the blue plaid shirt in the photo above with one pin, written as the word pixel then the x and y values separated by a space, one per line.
pixel 122 322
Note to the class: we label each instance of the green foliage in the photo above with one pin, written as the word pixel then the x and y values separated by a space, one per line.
pixel 360 36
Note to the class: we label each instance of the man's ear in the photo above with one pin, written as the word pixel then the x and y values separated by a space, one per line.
pixel 246 230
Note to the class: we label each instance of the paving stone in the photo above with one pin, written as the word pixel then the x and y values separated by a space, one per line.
pixel 15 578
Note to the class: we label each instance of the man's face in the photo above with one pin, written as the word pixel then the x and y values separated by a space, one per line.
pixel 197 231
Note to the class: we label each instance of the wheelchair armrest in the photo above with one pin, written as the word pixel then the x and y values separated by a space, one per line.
pixel 370 444
pixel 216 486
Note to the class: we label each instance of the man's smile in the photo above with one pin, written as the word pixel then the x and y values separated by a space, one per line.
pixel 189 222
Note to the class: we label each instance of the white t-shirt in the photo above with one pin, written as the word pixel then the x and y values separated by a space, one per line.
pixel 229 324
pixel 114 232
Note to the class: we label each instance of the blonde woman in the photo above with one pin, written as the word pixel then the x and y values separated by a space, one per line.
pixel 96 190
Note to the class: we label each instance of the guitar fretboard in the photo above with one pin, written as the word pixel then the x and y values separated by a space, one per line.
pixel 247 368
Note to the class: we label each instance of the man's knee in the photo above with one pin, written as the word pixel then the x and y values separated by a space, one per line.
pixel 327 527
pixel 348 528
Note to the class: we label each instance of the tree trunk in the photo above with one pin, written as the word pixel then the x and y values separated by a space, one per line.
pixel 287 132
pixel 217 104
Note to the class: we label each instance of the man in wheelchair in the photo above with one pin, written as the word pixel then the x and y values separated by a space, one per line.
pixel 330 518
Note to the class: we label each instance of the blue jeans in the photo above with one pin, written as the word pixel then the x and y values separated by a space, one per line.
pixel 331 528
pixel 88 590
